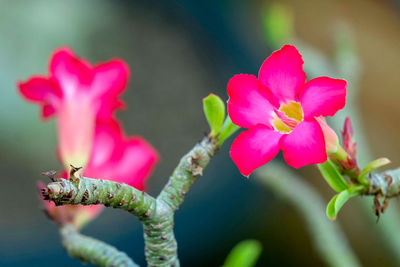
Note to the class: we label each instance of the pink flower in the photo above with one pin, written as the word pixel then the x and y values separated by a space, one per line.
pixel 78 94
pixel 114 157
pixel 280 108
pixel 84 98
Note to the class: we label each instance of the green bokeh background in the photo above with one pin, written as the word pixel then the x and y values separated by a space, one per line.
pixel 179 52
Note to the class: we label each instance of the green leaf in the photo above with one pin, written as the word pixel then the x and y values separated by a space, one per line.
pixel 214 109
pixel 330 208
pixel 339 200
pixel 370 167
pixel 227 130
pixel 343 197
pixel 332 176
pixel 244 254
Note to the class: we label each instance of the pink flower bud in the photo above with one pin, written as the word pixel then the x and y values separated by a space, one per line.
pixel 331 139
pixel 348 139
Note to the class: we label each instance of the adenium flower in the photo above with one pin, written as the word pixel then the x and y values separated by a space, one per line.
pixel 84 99
pixel 79 94
pixel 279 109
pixel 114 157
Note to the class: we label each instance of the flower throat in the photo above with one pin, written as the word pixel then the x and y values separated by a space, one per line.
pixel 287 117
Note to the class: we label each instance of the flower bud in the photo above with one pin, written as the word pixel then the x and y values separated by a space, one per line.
pixel 348 139
pixel 331 139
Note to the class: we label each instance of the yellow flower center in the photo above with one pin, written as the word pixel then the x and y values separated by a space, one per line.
pixel 287 117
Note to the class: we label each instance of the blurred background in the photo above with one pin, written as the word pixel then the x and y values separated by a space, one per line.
pixel 179 52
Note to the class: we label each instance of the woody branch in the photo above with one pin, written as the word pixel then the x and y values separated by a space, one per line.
pixel 156 214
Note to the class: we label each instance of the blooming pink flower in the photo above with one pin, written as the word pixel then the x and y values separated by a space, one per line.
pixel 280 108
pixel 84 98
pixel 114 157
pixel 79 94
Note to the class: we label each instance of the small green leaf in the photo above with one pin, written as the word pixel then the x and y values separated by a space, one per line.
pixel 244 254
pixel 370 167
pixel 332 176
pixel 343 197
pixel 339 200
pixel 330 208
pixel 214 109
pixel 227 130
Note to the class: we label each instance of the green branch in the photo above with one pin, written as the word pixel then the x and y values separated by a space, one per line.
pixel 161 246
pixel 157 215
pixel 88 191
pixel 386 184
pixel 91 250
pixel 327 237
pixel 188 170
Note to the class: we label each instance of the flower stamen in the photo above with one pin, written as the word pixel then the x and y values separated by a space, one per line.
pixel 287 117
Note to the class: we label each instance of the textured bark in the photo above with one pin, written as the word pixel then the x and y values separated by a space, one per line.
pixel 156 215
pixel 91 250
pixel 386 184
pixel 88 191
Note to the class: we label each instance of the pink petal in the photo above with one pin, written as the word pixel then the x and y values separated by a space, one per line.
pixel 93 210
pixel 47 111
pixel 136 164
pixel 39 89
pixel 118 158
pixel 331 139
pixel 323 96
pixel 304 145
pixel 247 106
pixel 74 78
pixel 111 76
pixel 110 79
pixel 76 122
pixel 283 74
pixel 71 73
pixel 254 148
pixel 107 139
pixel 43 91
pixel 85 214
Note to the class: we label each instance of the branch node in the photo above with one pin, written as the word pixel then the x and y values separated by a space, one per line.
pixel 51 175
pixel 73 173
